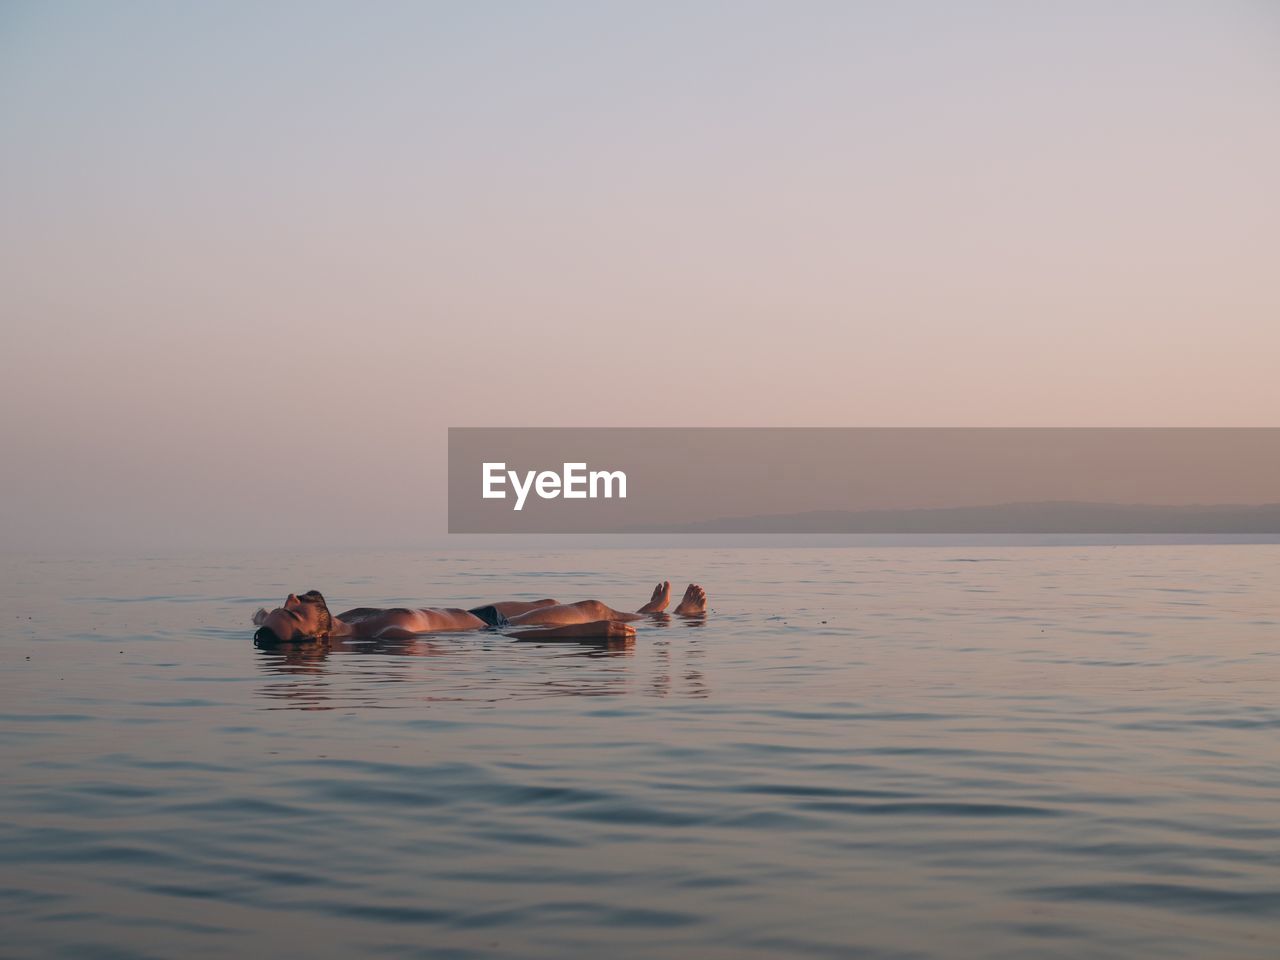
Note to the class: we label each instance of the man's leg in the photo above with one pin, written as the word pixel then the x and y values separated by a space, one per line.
pixel 589 611
pixel 584 611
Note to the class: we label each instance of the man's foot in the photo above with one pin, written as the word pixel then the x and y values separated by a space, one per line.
pixel 661 597
pixel 694 603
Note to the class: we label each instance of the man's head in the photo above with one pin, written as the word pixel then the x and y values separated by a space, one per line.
pixel 303 617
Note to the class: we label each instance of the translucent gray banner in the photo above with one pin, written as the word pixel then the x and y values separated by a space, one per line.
pixel 864 480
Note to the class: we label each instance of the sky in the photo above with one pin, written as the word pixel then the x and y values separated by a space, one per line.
pixel 255 259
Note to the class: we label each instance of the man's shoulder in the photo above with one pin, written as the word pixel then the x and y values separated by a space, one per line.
pixel 364 613
pixel 361 614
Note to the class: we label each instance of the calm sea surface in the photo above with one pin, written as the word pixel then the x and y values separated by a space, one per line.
pixel 953 753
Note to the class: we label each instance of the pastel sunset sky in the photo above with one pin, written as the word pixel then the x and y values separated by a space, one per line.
pixel 256 258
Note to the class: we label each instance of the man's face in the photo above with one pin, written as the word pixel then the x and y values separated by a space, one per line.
pixel 297 620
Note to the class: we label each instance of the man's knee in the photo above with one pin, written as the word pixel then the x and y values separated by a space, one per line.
pixel 596 609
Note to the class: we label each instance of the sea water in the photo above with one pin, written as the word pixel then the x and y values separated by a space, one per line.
pixel 878 753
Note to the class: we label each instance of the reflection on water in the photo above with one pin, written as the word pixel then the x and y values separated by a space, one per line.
pixel 342 672
pixel 996 753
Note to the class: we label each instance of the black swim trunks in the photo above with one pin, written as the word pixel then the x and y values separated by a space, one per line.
pixel 490 615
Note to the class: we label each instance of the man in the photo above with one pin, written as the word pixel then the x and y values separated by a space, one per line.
pixel 306 617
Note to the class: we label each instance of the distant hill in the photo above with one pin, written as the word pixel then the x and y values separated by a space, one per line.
pixel 1055 516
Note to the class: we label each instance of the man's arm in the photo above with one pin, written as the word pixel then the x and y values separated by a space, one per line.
pixel 513 608
pixel 596 630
